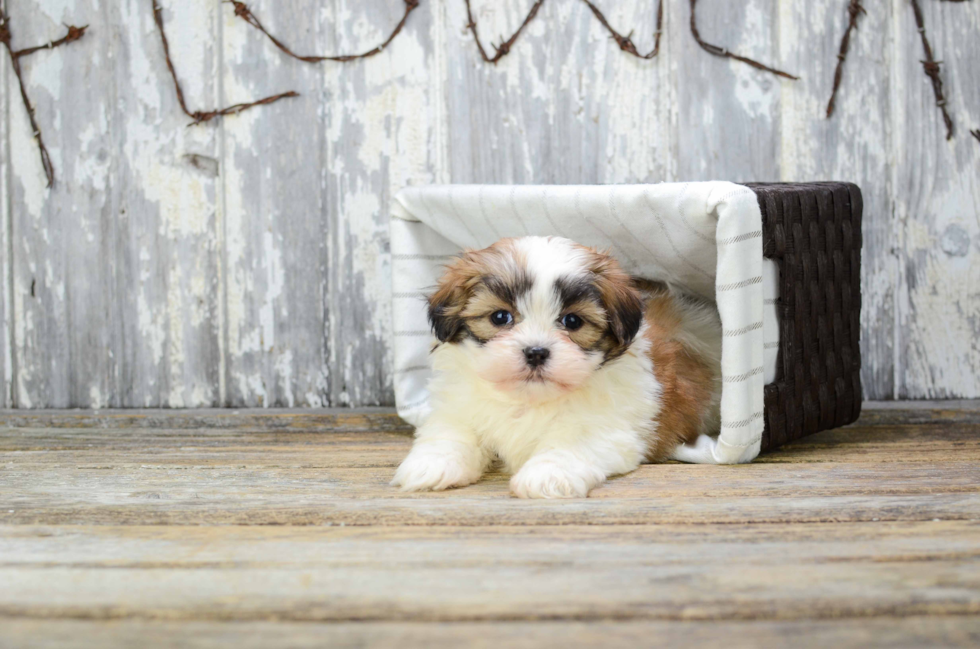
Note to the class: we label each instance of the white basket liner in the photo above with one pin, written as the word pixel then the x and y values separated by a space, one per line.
pixel 706 237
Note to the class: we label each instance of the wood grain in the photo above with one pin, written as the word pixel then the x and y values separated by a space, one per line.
pixel 938 214
pixel 308 470
pixel 905 632
pixel 203 528
pixel 6 245
pixel 726 106
pixel 690 573
pixel 246 263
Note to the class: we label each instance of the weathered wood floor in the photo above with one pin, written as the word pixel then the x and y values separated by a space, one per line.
pixel 274 529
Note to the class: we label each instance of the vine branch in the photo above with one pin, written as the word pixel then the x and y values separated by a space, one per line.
pixel 931 68
pixel 74 33
pixel 200 116
pixel 243 11
pixel 721 51
pixel 504 48
pixel 625 42
pixel 855 9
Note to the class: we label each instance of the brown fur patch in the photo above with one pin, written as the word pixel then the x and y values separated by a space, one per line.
pixel 594 323
pixel 685 377
pixel 620 299
pixel 476 284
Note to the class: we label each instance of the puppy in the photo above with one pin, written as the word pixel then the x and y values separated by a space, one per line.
pixel 552 359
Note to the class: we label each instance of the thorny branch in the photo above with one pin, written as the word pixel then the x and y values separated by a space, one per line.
pixel 721 51
pixel 243 12
pixel 504 48
pixel 74 33
pixel 931 67
pixel 855 9
pixel 625 42
pixel 204 116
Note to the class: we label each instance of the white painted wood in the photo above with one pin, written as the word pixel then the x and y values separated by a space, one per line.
pixel 937 206
pixel 728 113
pixel 246 263
pixel 273 221
pixel 6 358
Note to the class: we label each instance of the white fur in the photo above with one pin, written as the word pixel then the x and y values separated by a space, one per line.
pixel 559 448
pixel 560 430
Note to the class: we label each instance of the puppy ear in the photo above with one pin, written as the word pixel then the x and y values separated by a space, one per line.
pixel 619 297
pixel 452 293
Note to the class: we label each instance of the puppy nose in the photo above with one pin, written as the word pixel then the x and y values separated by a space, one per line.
pixel 536 356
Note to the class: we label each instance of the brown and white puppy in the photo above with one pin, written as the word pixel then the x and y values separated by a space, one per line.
pixel 554 360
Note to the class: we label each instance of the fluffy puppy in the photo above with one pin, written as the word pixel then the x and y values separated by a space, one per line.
pixel 552 359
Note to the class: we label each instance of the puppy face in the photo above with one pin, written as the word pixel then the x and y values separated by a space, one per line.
pixel 536 316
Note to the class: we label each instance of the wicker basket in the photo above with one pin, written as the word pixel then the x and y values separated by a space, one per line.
pixel 813 233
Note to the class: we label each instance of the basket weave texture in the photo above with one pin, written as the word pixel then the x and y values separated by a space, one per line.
pixel 813 233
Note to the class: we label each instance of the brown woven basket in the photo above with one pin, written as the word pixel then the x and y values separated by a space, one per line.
pixel 813 233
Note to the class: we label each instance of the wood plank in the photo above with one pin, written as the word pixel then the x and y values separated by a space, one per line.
pixel 150 547
pixel 6 244
pixel 724 106
pixel 938 196
pixel 376 419
pixel 61 237
pixel 317 574
pixel 882 414
pixel 275 251
pixel 905 632
pixel 854 145
pixel 120 251
pixel 906 445
pixel 312 492
pixel 380 123
pixel 543 114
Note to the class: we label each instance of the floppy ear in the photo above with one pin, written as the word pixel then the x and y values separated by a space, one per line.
pixel 620 298
pixel 452 293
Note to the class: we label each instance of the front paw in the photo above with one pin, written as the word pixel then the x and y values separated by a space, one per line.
pixel 556 476
pixel 439 465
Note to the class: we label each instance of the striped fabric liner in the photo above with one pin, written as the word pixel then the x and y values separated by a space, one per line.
pixel 705 237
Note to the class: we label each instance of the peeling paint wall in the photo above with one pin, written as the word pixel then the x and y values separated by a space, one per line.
pixel 246 263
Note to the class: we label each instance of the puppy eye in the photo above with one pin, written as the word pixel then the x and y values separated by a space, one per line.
pixel 501 318
pixel 571 322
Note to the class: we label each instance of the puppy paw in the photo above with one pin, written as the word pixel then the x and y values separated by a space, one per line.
pixel 555 477
pixel 439 465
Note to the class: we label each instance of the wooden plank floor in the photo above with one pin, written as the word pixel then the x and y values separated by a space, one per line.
pixel 201 529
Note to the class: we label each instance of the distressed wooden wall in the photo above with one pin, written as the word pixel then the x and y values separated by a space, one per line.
pixel 246 263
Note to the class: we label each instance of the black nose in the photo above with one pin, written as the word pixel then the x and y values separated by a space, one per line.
pixel 536 355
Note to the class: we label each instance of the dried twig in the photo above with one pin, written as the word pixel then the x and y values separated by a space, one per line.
pixel 931 67
pixel 721 51
pixel 625 42
pixel 74 33
pixel 504 48
pixel 855 9
pixel 243 12
pixel 200 116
